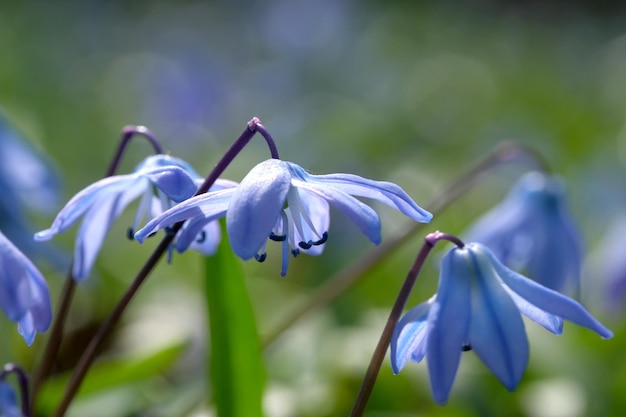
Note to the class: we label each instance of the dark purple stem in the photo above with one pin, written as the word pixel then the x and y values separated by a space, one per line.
pixel 56 334
pixel 128 132
pixel 22 378
pixel 385 338
pixel 89 355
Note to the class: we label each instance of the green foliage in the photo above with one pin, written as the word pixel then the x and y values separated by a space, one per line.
pixel 236 362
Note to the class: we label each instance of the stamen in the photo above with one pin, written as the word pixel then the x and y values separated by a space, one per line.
pixel 130 233
pixel 201 237
pixel 260 257
pixel 307 245
pixel 295 252
pixel 277 238
pixel 466 347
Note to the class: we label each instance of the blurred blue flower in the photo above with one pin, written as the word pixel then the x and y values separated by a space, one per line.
pixel 8 401
pixel 24 295
pixel 477 307
pixel 281 201
pixel 610 263
pixel 28 183
pixel 103 201
pixel 532 230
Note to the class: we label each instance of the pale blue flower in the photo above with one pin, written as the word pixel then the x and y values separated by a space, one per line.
pixel 8 401
pixel 29 183
pixel 532 230
pixel 280 201
pixel 24 295
pixel 103 201
pixel 478 306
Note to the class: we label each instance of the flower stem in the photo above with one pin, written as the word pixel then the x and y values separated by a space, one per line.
pixel 65 300
pixel 22 378
pixel 383 343
pixel 89 355
pixel 347 278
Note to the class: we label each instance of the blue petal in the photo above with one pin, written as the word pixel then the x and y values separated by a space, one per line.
pixel 550 322
pixel 8 401
pixel 547 299
pixel 105 209
pixel 209 205
pixel 175 182
pixel 497 333
pixel 362 215
pixel 82 201
pixel 255 206
pixel 449 319
pixel 200 233
pixel 409 336
pixel 385 192
pixel 15 293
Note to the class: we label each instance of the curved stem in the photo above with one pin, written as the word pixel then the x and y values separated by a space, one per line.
pixel 347 278
pixel 56 335
pixel 89 355
pixel 22 378
pixel 385 338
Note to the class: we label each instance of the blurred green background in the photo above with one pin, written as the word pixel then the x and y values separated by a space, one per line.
pixel 409 92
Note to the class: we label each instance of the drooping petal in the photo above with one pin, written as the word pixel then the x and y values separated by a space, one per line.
pixel 550 322
pixel 8 401
pixel 361 214
pixel 547 299
pixel 83 201
pixel 209 205
pixel 496 332
pixel 409 336
pixel 255 206
pixel 15 292
pixel 175 182
pixel 200 233
pixel 449 320
pixel 385 192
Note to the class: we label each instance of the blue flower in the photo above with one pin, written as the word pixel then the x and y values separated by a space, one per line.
pixel 8 401
pixel 532 230
pixel 24 295
pixel 280 201
pixel 103 201
pixel 29 183
pixel 477 307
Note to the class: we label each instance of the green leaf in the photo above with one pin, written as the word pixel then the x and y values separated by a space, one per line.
pixel 236 366
pixel 109 374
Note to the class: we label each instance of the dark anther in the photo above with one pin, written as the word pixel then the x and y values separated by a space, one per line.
pixel 130 234
pixel 260 257
pixel 201 237
pixel 307 245
pixel 466 347
pixel 277 238
pixel 295 252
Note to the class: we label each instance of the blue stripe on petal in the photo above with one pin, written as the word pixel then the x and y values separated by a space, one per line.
pixel 497 333
pixel 385 192
pixel 409 337
pixel 362 215
pixel 547 299
pixel 449 319
pixel 255 206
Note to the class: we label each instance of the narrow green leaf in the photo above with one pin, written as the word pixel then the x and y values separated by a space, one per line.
pixel 109 374
pixel 236 366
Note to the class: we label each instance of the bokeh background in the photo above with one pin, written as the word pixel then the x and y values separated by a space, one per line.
pixel 410 92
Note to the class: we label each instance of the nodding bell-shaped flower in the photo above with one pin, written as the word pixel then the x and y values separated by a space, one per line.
pixel 280 201
pixel 532 230
pixel 103 201
pixel 24 294
pixel 8 401
pixel 479 306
